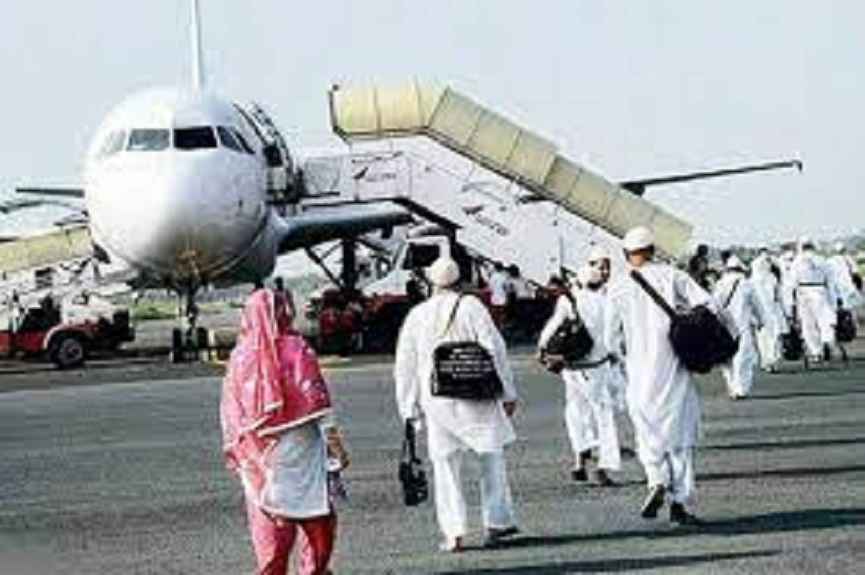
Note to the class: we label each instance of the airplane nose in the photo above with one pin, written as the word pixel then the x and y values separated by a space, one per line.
pixel 186 220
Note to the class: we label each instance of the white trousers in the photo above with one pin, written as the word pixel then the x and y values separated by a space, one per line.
pixel 769 342
pixel 739 374
pixel 496 503
pixel 674 470
pixel 590 417
pixel 817 317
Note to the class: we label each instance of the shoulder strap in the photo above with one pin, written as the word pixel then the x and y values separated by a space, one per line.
pixel 653 293
pixel 453 315
pixel 732 293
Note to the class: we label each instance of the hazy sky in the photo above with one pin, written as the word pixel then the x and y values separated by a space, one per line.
pixel 632 88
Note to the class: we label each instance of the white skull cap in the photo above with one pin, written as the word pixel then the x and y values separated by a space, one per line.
pixel 598 253
pixel 444 272
pixel 638 238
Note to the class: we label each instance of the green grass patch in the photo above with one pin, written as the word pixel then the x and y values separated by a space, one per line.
pixel 150 311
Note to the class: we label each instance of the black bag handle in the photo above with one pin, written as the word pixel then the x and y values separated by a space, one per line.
pixel 408 443
pixel 653 293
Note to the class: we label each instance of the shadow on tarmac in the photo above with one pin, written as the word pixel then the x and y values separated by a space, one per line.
pixel 790 472
pixel 616 565
pixel 805 395
pixel 780 522
pixel 799 444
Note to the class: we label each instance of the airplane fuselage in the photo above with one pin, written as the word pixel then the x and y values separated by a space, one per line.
pixel 176 185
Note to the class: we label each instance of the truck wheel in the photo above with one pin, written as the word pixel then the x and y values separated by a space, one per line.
pixel 68 351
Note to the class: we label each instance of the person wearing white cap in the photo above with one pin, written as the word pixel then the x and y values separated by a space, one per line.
pixel 735 293
pixel 456 426
pixel 788 287
pixel 765 277
pixel 843 270
pixel 589 405
pixel 600 259
pixel 816 298
pixel 662 400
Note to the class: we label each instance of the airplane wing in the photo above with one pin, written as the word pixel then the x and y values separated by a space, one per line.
pixel 62 192
pixel 18 204
pixel 324 222
pixel 638 187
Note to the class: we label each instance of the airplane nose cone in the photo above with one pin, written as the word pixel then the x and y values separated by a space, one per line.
pixel 187 220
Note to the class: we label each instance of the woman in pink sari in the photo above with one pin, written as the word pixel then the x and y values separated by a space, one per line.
pixel 278 434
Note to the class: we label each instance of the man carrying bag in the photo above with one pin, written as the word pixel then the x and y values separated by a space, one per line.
pixel 662 400
pixel 457 425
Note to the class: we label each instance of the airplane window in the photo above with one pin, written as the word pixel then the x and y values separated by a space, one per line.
pixel 239 135
pixel 113 143
pixel 227 139
pixel 194 138
pixel 147 140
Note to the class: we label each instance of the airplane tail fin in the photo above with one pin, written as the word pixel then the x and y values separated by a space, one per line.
pixel 197 60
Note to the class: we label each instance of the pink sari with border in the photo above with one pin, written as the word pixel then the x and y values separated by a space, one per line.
pixel 273 383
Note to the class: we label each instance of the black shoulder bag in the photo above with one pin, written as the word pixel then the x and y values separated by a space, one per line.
pixel 698 337
pixel 845 327
pixel 464 369
pixel 571 341
pixel 415 487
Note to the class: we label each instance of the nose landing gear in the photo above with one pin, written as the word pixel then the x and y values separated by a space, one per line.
pixel 187 340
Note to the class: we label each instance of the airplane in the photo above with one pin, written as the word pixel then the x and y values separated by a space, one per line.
pixel 190 188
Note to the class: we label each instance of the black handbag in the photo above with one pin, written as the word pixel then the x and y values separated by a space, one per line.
pixel 572 341
pixel 845 327
pixel 698 337
pixel 464 369
pixel 412 477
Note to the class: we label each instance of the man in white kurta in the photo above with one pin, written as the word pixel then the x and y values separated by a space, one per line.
pixel 736 295
pixel 589 403
pixel 455 426
pixel 816 297
pixel 788 287
pixel 768 289
pixel 842 267
pixel 662 400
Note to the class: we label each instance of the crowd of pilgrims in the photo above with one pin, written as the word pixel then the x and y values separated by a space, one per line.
pixel 283 442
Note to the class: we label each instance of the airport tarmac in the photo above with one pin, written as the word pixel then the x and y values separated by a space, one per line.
pixel 117 470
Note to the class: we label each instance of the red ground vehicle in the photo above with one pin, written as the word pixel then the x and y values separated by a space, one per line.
pixel 43 332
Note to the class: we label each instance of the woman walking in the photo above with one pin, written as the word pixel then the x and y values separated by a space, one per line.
pixel 278 434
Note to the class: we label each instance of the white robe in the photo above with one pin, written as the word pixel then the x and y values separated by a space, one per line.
pixel 768 290
pixel 815 301
pixel 747 313
pixel 662 401
pixel 589 393
pixel 452 424
pixel 842 269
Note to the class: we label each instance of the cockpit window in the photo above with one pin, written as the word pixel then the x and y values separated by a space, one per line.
pixel 227 139
pixel 113 143
pixel 148 140
pixel 239 135
pixel 194 138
